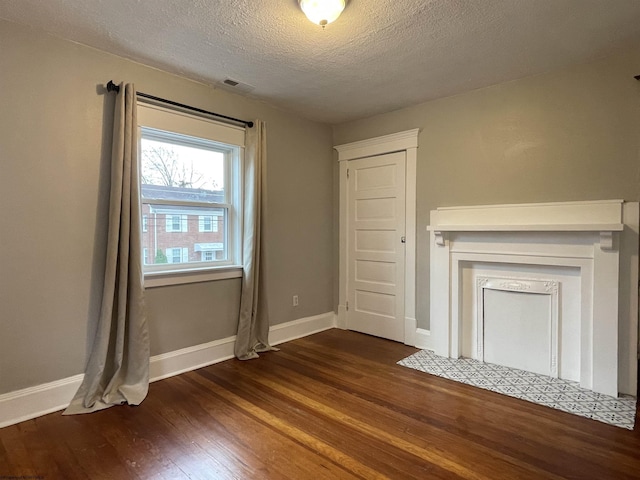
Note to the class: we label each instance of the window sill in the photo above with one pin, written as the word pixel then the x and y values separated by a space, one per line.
pixel 163 279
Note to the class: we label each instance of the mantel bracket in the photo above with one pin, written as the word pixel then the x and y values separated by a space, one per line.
pixel 606 241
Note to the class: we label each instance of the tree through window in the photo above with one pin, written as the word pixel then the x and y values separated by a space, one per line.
pixel 190 195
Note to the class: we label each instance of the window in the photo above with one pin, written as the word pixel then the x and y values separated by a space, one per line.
pixel 190 188
pixel 178 255
pixel 208 223
pixel 177 223
pixel 145 254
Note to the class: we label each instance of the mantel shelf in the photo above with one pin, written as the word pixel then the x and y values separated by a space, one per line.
pixel 577 227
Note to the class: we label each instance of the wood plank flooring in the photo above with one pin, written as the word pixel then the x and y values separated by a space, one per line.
pixel 329 406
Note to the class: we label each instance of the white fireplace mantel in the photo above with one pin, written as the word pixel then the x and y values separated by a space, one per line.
pixel 604 217
pixel 583 236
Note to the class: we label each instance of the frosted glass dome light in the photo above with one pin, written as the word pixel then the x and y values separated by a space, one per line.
pixel 322 12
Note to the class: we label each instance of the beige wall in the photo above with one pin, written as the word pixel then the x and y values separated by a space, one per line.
pixel 566 135
pixel 54 150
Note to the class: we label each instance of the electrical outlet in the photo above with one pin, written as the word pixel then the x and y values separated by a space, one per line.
pixel 295 300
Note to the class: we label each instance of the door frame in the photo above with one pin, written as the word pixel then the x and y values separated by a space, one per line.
pixel 406 141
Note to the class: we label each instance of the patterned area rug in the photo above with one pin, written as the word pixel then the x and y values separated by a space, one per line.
pixel 551 392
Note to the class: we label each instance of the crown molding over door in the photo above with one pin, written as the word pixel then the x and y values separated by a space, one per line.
pixel 407 142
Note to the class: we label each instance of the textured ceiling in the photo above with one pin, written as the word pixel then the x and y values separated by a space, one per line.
pixel 380 55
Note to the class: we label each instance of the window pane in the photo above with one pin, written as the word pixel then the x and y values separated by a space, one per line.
pixel 176 171
pixel 190 190
pixel 184 234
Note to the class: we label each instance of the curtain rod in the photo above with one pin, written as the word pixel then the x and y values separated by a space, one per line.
pixel 112 87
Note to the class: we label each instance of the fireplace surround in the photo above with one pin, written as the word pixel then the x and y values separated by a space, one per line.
pixel 536 249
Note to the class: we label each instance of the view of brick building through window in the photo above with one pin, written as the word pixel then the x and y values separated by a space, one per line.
pixel 182 234
pixel 181 222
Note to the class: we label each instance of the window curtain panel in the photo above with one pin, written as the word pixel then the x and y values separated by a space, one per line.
pixel 253 321
pixel 117 371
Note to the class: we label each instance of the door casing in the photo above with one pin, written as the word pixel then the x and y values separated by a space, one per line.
pixel 402 141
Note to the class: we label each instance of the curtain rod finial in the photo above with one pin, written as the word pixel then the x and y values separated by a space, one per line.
pixel 112 87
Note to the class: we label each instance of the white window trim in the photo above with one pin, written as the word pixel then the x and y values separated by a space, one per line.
pixel 154 116
pixel 182 228
pixel 170 254
pixel 213 223
pixel 162 279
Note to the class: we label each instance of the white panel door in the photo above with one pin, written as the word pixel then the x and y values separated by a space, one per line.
pixel 376 229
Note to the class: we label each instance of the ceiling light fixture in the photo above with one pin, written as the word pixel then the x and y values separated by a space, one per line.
pixel 322 12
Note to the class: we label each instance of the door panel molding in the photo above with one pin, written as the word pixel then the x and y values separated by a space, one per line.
pixel 402 141
pixel 377 197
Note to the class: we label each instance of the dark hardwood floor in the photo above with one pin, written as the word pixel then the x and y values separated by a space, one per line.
pixel 329 406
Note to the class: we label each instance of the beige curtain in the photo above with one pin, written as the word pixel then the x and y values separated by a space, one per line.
pixel 253 322
pixel 118 368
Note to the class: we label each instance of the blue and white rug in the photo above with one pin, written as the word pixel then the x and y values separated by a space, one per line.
pixel 551 392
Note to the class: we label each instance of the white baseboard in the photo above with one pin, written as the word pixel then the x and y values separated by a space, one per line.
pixel 184 360
pixel 342 317
pixel 32 402
pixel 410 331
pixel 417 337
pixel 422 339
pixel 285 332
